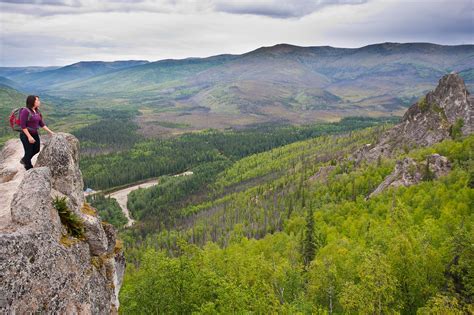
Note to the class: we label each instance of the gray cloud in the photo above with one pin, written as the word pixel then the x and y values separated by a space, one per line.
pixel 73 3
pixel 75 7
pixel 437 21
pixel 279 8
pixel 144 29
pixel 269 8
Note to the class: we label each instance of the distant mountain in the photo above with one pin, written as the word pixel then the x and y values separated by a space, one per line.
pixel 4 82
pixel 142 77
pixel 277 83
pixel 38 80
pixel 11 72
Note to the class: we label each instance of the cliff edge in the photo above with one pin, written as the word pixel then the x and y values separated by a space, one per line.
pixel 43 267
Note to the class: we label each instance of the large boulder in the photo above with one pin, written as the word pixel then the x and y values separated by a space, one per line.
pixel 42 268
pixel 31 204
pixel 61 155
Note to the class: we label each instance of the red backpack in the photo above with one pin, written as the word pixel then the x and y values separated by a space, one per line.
pixel 15 118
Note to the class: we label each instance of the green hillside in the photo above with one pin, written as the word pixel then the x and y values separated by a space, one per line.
pixel 279 234
pixel 141 81
pixel 77 71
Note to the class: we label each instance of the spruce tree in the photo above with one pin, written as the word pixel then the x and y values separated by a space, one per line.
pixel 309 243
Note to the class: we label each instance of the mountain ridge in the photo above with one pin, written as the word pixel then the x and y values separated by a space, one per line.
pixel 272 84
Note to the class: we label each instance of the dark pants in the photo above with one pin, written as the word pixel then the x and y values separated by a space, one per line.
pixel 30 148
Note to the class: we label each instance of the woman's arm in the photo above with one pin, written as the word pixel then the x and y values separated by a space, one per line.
pixel 28 135
pixel 42 125
pixel 48 130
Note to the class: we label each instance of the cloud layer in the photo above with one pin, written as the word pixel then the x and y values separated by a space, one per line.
pixel 60 32
pixel 271 8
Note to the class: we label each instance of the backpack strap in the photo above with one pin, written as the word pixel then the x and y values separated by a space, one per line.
pixel 29 113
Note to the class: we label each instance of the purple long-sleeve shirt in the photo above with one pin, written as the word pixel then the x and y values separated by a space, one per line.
pixel 33 123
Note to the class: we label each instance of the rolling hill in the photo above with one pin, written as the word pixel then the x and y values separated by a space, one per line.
pixel 38 80
pixel 282 83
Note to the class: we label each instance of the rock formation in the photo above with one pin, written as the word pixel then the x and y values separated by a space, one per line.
pixel 322 174
pixel 42 267
pixel 407 172
pixel 437 116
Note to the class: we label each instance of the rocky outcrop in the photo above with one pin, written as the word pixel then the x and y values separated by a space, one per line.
pixel 436 117
pixel 407 172
pixel 43 268
pixel 61 155
pixel 322 174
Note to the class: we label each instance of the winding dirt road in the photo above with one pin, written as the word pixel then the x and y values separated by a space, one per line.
pixel 122 195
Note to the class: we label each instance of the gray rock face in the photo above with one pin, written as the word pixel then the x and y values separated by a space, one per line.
pixel 61 155
pixel 426 122
pixel 407 172
pixel 31 204
pixel 41 268
pixel 39 274
pixel 322 174
pixel 7 172
pixel 452 96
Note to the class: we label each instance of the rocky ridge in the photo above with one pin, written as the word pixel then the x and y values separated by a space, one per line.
pixel 444 113
pixel 42 267
pixel 441 114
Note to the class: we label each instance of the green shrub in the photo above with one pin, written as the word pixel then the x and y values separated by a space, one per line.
pixel 455 131
pixel 428 175
pixel 73 223
pixel 423 104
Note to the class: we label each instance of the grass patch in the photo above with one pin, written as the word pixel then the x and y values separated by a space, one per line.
pixel 423 104
pixel 73 223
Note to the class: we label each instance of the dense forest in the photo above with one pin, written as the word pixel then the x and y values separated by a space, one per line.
pixel 113 131
pixel 109 209
pixel 152 158
pixel 206 153
pixel 293 230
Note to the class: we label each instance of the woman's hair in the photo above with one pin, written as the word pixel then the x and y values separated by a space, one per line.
pixel 30 101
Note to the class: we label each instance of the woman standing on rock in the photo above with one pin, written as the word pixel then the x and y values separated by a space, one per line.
pixel 30 121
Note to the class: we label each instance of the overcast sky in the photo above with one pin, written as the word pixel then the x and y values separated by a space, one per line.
pixel 61 32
